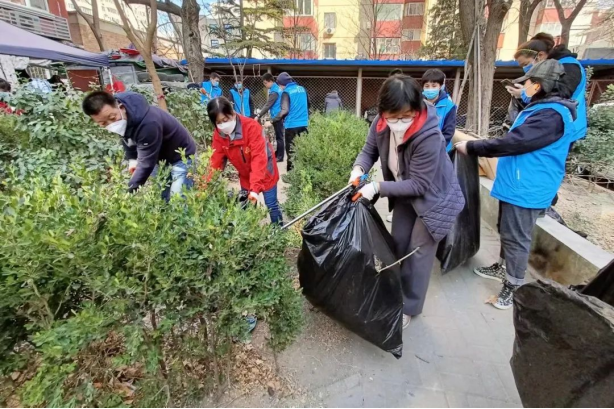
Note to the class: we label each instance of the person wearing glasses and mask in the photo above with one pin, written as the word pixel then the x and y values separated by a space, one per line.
pixel 419 182
pixel 242 100
pixel 149 135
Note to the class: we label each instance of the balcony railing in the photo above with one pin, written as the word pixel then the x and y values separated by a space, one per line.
pixel 35 21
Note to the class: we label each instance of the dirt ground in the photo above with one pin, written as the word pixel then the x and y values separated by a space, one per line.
pixel 588 208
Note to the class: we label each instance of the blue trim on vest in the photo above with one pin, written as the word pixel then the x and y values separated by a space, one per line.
pixel 236 99
pixel 213 91
pixel 277 105
pixel 579 95
pixel 443 108
pixel 298 116
pixel 531 180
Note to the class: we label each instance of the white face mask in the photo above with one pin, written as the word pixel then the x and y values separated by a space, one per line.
pixel 118 127
pixel 399 127
pixel 227 127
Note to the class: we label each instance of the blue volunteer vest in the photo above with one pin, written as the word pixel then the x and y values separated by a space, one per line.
pixel 532 179
pixel 299 112
pixel 443 107
pixel 277 105
pixel 236 98
pixel 579 95
pixel 214 92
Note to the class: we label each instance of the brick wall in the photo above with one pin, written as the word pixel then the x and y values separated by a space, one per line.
pixel 113 35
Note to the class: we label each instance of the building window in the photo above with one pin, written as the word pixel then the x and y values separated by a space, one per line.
pixel 330 51
pixel 38 4
pixel 414 9
pixel 551 28
pixel 330 20
pixel 306 42
pixel 303 8
pixel 389 12
pixel 388 45
pixel 86 10
pixel 215 43
pixel 412 34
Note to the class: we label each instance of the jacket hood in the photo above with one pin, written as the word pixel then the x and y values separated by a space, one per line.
pixel 425 125
pixel 332 94
pixel 561 51
pixel 136 106
pixel 571 105
pixel 443 94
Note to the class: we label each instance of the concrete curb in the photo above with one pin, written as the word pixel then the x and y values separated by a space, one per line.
pixel 557 252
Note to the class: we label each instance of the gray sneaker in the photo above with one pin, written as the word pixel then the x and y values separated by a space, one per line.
pixel 494 272
pixel 506 296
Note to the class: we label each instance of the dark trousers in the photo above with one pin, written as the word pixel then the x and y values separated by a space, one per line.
pixel 516 226
pixel 409 232
pixel 292 133
pixel 279 137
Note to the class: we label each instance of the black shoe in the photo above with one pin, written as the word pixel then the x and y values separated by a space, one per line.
pixel 506 296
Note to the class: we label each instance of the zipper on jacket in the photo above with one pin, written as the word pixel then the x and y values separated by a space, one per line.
pixel 518 174
pixel 243 155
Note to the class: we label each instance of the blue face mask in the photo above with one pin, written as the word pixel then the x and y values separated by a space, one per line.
pixel 525 98
pixel 430 94
pixel 526 68
pixel 239 86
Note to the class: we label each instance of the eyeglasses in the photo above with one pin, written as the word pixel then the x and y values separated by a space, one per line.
pixel 396 120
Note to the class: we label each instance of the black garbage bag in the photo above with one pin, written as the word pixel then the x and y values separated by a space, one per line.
pixel 564 347
pixel 344 246
pixel 463 241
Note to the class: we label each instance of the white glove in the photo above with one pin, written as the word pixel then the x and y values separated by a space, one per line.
pixel 369 191
pixel 132 165
pixel 256 199
pixel 356 173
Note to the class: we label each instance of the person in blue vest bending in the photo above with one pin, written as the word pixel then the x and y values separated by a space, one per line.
pixel 242 100
pixel 294 111
pixel 210 89
pixel 530 170
pixel 273 104
pixel 434 91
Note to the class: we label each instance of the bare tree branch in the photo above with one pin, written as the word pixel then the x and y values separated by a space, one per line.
pixel 92 21
pixel 164 6
pixel 567 22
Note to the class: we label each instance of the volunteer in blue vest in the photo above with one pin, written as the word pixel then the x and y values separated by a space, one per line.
pixel 530 170
pixel 294 111
pixel 210 89
pixel 572 84
pixel 419 182
pixel 434 91
pixel 273 104
pixel 242 100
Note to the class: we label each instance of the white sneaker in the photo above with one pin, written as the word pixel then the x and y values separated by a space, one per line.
pixel 389 218
pixel 406 320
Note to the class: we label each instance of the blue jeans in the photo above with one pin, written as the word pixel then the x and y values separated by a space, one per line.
pixel 178 178
pixel 270 199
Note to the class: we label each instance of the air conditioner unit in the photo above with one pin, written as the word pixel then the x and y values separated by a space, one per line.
pixel 330 31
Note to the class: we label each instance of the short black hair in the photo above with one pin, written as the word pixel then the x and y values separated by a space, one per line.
pixel 219 105
pixel 214 75
pixel 5 86
pixel 399 93
pixel 434 75
pixel 396 71
pixel 268 77
pixel 95 101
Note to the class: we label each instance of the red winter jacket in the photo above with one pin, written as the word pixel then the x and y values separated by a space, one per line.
pixel 249 153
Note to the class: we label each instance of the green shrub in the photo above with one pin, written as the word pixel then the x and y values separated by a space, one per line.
pixel 323 159
pixel 132 301
pixel 186 106
pixel 595 153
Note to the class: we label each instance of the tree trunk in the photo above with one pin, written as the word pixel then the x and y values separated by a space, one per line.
pixel 567 22
pixel 565 31
pixel 92 21
pixel 192 42
pixel 155 80
pixel 527 8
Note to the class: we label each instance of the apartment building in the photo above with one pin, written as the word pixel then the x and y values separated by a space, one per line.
pixel 107 11
pixel 47 18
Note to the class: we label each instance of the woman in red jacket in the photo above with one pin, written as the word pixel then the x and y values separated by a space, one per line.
pixel 240 140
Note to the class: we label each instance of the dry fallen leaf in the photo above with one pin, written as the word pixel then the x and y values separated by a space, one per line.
pixel 491 300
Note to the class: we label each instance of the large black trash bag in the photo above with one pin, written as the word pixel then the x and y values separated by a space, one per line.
pixel 343 247
pixel 463 241
pixel 564 347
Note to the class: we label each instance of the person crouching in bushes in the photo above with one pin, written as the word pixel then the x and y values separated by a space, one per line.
pixel 434 91
pixel 530 170
pixel 420 183
pixel 239 139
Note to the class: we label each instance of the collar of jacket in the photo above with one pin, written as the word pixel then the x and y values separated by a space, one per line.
pixel 419 121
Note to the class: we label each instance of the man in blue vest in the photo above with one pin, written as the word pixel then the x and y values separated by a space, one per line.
pixel 294 111
pixel 530 170
pixel 273 104
pixel 434 91
pixel 242 100
pixel 210 89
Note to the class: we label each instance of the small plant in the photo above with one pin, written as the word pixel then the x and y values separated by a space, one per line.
pixel 186 106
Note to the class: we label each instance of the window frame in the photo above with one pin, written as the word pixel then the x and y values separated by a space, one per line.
pixel 399 6
pixel 327 46
pixel 407 12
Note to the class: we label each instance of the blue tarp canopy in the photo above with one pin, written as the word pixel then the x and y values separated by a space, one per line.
pixel 22 43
